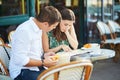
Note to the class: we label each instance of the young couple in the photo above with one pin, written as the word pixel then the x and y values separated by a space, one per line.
pixel 47 33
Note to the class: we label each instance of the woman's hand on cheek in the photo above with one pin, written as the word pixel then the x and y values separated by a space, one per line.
pixel 67 30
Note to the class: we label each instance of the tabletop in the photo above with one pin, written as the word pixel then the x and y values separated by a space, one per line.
pixel 93 55
pixel 105 54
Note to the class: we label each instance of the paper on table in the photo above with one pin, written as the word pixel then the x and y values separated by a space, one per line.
pixel 65 57
pixel 74 52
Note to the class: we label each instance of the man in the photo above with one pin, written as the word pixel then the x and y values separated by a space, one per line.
pixel 27 50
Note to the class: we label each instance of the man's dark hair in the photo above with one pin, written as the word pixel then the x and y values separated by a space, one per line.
pixel 49 14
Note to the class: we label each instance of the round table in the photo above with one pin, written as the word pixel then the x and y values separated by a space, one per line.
pixel 94 55
pixel 91 54
pixel 105 54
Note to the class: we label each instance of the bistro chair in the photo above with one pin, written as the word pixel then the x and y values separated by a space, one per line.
pixel 104 31
pixel 4 74
pixel 76 70
pixel 4 59
pixel 115 28
pixel 4 62
pixel 3 69
pixel 114 25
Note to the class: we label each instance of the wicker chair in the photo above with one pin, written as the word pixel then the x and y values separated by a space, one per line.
pixel 76 70
pixel 115 28
pixel 114 25
pixel 4 74
pixel 3 69
pixel 4 62
pixel 4 58
pixel 114 42
pixel 104 31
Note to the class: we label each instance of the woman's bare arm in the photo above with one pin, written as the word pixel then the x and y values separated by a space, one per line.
pixel 71 36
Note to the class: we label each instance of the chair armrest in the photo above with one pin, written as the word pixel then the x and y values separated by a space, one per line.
pixel 56 69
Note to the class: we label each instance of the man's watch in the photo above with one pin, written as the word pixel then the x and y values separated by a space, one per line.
pixel 42 62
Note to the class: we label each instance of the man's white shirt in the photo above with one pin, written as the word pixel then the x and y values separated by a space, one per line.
pixel 26 44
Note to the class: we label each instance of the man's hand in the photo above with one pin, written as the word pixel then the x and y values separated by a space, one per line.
pixel 48 62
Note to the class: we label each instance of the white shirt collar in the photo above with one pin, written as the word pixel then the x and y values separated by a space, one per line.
pixel 35 27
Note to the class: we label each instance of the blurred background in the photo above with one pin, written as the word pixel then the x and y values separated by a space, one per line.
pixel 87 12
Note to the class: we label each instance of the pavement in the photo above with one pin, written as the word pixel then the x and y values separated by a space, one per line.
pixel 106 70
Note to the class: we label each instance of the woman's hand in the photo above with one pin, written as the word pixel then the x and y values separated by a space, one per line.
pixel 49 54
pixel 66 30
pixel 66 48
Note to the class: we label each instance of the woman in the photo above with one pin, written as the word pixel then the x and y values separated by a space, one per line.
pixel 63 37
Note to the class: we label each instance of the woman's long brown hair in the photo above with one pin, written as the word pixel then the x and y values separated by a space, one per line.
pixel 66 14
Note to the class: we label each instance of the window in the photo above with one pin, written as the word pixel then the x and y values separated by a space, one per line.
pixel 14 11
pixel 12 7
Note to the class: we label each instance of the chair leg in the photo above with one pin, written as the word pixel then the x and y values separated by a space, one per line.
pixel 116 58
pixel 107 45
pixel 117 53
pixel 112 46
pixel 102 45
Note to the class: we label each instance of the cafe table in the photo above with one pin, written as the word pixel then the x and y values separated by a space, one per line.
pixel 92 55
pixel 104 54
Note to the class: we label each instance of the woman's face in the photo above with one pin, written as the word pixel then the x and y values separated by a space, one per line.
pixel 65 25
pixel 48 27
